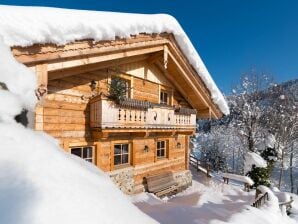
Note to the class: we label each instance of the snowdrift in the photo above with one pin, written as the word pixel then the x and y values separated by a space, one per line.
pixel 252 158
pixel 39 183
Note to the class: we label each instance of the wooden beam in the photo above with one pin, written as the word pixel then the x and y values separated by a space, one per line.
pixel 174 83
pixel 50 52
pixel 154 57
pixel 93 59
pixel 187 152
pixel 196 86
pixel 100 135
pixel 165 56
pixel 174 49
pixel 39 112
pixel 93 67
pixel 42 74
pixel 42 80
pixel 188 96
pixel 142 132
pixel 204 113
pixel 187 77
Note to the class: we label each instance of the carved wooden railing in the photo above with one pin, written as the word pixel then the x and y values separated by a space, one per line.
pixel 106 114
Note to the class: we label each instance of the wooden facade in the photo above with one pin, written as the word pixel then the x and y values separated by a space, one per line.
pixel 74 107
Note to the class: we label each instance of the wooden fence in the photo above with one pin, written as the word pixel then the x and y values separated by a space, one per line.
pixel 200 165
pixel 261 200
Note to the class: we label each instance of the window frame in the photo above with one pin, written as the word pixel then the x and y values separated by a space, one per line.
pixel 164 148
pixel 127 80
pixel 162 95
pixel 87 158
pixel 120 165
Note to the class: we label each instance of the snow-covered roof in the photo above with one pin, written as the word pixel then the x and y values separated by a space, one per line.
pixel 25 26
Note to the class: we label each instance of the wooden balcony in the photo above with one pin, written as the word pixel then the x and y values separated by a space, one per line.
pixel 105 114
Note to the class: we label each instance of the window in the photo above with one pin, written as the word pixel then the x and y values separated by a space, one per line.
pixel 85 153
pixel 161 149
pixel 164 98
pixel 121 154
pixel 120 87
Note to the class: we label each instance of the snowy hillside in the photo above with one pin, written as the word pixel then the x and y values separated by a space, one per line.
pixel 255 118
pixel 209 201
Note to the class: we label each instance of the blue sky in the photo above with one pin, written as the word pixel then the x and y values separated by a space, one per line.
pixel 233 37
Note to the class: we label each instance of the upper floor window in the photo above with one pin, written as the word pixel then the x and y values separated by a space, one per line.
pixel 161 149
pixel 164 97
pixel 119 88
pixel 121 154
pixel 86 153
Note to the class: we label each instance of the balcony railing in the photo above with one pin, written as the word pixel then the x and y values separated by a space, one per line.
pixel 139 114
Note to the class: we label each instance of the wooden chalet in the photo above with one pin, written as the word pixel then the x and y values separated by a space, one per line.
pixel 146 133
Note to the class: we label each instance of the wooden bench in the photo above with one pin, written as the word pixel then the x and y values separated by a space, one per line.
pixel 162 184
pixel 243 179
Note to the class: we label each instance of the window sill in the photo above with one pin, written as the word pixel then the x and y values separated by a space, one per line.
pixel 162 158
pixel 120 169
pixel 122 166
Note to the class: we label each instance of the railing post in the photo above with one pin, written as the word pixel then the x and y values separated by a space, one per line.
pixel 208 169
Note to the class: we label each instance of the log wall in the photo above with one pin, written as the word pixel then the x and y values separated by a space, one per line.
pixel 139 157
pixel 64 114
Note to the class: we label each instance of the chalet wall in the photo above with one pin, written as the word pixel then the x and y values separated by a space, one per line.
pixel 146 71
pixel 64 114
pixel 143 163
pixel 179 100
pixel 65 111
pixel 103 155
pixel 178 151
pixel 145 90
pixel 139 156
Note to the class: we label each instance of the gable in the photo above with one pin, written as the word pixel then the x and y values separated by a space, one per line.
pixel 159 51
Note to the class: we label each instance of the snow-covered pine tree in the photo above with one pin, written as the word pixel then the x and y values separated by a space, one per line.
pixel 284 123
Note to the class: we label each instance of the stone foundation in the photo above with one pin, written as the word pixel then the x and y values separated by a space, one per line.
pixel 183 178
pixel 124 179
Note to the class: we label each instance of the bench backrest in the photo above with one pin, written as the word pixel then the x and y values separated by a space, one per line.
pixel 161 181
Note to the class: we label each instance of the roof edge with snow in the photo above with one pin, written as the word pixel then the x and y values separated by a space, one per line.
pixel 26 26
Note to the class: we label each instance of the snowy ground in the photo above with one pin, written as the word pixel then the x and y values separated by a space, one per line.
pixel 209 201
